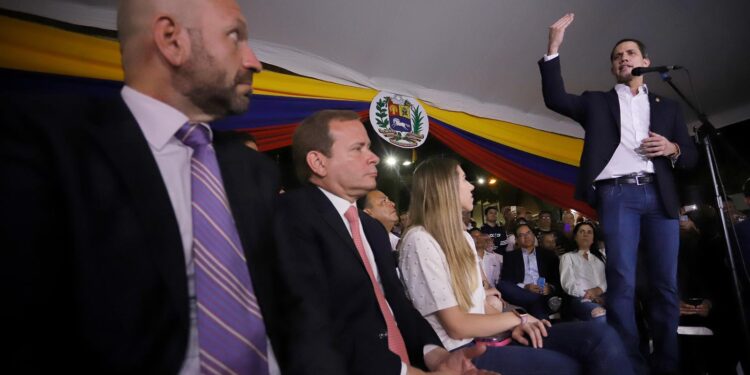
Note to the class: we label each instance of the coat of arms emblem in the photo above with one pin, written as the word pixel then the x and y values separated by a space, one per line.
pixel 400 120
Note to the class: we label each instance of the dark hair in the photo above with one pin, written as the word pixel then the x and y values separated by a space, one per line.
pixel 594 249
pixel 313 135
pixel 542 212
pixel 475 229
pixel 641 47
pixel 533 232
pixel 746 188
pixel 488 209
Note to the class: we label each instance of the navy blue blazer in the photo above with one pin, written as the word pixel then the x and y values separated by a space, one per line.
pixel 599 114
pixel 98 269
pixel 334 323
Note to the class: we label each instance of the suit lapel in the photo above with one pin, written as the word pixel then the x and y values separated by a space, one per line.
pixel 123 143
pixel 331 217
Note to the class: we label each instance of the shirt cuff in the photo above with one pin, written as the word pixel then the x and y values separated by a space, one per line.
pixel 550 57
pixel 403 368
pixel 521 285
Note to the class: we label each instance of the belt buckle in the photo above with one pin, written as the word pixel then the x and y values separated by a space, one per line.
pixel 638 180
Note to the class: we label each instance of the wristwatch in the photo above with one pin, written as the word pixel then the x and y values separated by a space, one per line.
pixel 521 314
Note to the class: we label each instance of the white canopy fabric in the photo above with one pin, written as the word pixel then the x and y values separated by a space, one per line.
pixel 479 56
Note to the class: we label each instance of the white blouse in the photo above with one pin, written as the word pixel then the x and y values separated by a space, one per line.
pixel 426 276
pixel 578 274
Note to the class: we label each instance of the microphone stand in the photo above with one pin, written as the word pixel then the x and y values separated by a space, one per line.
pixel 706 132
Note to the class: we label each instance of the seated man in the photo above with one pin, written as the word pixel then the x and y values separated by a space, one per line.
pixel 381 208
pixel 347 312
pixel 530 278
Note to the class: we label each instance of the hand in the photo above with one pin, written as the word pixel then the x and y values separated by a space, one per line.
pixel 547 289
pixel 557 33
pixel 533 288
pixel 656 145
pixel 440 361
pixel 534 329
pixel 593 293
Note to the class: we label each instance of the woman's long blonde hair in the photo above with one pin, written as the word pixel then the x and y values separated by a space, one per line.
pixel 435 205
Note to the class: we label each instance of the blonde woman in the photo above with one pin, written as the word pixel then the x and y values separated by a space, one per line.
pixel 442 275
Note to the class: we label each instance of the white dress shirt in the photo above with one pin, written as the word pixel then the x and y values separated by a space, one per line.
pixel 578 274
pixel 159 122
pixel 635 120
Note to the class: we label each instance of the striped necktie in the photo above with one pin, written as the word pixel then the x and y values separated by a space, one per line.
pixel 231 335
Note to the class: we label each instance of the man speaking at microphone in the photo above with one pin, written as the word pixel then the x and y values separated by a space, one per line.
pixel 634 139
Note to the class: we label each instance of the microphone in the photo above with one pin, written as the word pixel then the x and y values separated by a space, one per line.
pixel 659 69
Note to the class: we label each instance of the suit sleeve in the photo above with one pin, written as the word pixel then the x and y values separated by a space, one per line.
pixel 32 232
pixel 555 96
pixel 309 343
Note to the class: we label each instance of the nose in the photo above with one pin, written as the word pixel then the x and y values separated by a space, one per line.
pixel 250 61
pixel 374 159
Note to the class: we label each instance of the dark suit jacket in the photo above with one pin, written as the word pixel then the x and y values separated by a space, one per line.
pixel 547 263
pixel 599 114
pixel 335 324
pixel 98 269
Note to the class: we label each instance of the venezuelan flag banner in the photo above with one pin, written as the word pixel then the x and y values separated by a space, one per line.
pixel 39 57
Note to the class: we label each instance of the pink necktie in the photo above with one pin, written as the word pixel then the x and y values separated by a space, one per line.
pixel 395 340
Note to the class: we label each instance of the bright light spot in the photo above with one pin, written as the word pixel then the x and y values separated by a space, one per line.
pixel 493 181
pixel 391 161
pixel 480 181
pixel 406 163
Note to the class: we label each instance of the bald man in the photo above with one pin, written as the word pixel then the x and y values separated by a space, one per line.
pixel 382 209
pixel 135 238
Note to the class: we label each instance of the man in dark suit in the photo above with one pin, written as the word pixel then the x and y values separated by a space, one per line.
pixel 99 226
pixel 634 140
pixel 522 269
pixel 348 312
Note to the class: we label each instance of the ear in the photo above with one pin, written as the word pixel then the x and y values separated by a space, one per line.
pixel 646 62
pixel 172 40
pixel 317 163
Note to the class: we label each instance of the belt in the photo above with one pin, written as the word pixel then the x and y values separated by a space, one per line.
pixel 633 179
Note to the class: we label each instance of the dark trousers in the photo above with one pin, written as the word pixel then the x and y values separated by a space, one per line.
pixel 534 303
pixel 570 348
pixel 632 214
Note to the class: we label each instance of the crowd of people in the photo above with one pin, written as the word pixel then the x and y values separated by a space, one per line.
pixel 139 240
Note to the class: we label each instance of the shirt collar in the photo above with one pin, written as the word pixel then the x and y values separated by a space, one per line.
pixel 622 88
pixel 339 203
pixel 158 120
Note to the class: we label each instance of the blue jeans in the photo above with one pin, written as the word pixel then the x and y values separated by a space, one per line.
pixel 631 214
pixel 570 348
pixel 581 310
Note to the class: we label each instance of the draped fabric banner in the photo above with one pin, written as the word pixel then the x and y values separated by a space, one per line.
pixel 542 163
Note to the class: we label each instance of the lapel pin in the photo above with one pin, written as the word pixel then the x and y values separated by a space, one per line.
pixel 657 99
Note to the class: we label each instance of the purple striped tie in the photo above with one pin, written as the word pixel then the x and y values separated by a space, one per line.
pixel 231 335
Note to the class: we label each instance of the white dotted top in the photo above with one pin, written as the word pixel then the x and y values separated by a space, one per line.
pixel 426 276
